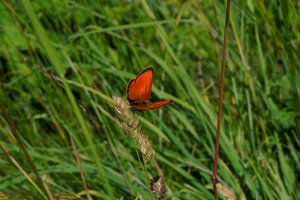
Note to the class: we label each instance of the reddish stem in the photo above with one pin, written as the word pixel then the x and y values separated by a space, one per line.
pixel 214 176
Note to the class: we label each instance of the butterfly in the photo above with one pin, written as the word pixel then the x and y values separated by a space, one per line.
pixel 139 90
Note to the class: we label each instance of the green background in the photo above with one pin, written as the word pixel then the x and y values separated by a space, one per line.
pixel 61 62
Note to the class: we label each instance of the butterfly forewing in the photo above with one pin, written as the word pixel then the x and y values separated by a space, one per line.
pixel 139 89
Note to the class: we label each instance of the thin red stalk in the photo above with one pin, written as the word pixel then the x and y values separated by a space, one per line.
pixel 76 154
pixel 214 176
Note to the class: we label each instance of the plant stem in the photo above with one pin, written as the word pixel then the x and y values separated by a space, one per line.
pixel 214 176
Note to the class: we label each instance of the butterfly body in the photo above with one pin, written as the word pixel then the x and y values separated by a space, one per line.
pixel 139 90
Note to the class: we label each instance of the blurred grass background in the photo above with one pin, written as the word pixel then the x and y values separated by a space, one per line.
pixel 61 61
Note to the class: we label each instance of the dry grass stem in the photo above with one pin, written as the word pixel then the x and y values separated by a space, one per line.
pixel 157 186
pixel 226 192
pixel 130 124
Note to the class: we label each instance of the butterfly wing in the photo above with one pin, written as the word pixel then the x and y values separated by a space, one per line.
pixel 139 89
pixel 151 106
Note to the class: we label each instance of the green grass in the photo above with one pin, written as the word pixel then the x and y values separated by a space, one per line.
pixel 92 49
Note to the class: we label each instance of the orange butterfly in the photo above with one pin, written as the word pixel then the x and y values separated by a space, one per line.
pixel 139 90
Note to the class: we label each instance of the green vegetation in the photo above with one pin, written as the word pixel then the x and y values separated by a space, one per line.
pixel 61 62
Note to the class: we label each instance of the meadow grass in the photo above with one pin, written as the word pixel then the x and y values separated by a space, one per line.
pixel 62 61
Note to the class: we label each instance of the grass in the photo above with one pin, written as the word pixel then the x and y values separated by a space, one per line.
pixel 61 62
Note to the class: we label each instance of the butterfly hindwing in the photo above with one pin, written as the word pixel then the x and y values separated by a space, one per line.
pixel 151 106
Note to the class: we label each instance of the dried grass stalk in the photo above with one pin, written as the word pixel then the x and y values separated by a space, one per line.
pixel 227 192
pixel 130 124
pixel 157 186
